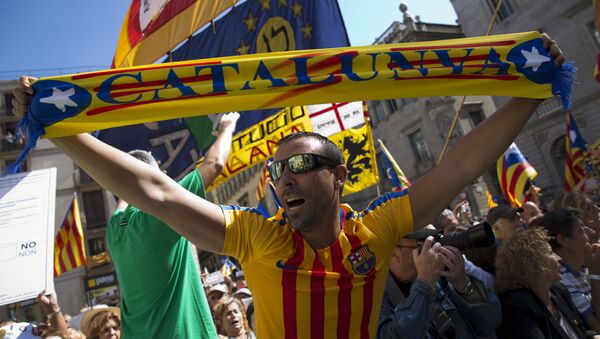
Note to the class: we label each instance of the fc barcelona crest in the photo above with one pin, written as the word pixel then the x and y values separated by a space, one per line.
pixel 362 260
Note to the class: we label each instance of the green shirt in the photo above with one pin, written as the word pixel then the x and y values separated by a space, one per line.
pixel 161 292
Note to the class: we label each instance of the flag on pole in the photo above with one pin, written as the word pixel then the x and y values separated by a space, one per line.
pixel 513 174
pixel 358 150
pixel 392 170
pixel 69 250
pixel 575 162
pixel 490 200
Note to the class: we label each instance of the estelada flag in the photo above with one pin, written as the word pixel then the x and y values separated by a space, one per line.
pixel 69 250
pixel 490 200
pixel 575 151
pixel 392 170
pixel 514 171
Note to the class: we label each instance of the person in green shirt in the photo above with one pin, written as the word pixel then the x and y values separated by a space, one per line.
pixel 161 292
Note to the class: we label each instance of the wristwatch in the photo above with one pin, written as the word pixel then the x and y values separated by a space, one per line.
pixel 469 288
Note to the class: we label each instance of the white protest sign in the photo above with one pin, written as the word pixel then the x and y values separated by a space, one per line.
pixel 26 234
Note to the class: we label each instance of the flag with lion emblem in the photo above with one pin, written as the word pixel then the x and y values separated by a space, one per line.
pixel 359 154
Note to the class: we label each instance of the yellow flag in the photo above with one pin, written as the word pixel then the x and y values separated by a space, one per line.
pixel 359 154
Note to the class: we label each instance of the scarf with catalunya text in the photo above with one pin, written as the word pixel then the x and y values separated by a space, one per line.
pixel 506 65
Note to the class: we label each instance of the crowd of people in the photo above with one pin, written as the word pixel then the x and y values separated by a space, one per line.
pixel 321 269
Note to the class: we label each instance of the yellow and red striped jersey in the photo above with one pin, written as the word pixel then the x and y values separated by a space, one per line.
pixel 334 292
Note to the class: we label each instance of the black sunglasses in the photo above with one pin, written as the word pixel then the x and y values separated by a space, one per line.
pixel 299 163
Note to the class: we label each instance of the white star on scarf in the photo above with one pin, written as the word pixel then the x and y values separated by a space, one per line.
pixel 573 136
pixel 534 59
pixel 60 99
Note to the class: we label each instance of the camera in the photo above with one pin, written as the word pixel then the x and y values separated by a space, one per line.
pixel 477 236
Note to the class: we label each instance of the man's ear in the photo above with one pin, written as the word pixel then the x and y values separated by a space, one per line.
pixel 341 174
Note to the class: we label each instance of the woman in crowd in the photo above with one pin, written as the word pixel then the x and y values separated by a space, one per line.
pixel 534 304
pixel 232 320
pixel 102 323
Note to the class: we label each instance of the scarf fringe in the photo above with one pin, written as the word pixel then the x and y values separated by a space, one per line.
pixel 32 130
pixel 563 83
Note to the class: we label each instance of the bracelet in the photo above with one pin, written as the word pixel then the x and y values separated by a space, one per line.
pixel 469 288
pixel 53 314
pixel 593 276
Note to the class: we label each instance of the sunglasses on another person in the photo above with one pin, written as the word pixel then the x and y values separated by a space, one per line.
pixel 299 163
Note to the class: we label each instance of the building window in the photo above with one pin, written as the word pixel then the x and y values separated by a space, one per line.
pixel 95 210
pixel 4 163
pixel 504 11
pixel 10 139
pixel 96 246
pixel 243 200
pixel 476 117
pixel 419 147
pixel 594 32
pixel 6 104
pixel 379 112
pixel 558 151
pixel 392 105
pixel 84 178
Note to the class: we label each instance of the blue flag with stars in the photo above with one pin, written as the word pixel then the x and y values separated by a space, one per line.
pixel 261 26
pixel 251 26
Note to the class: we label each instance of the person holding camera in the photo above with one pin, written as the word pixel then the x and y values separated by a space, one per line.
pixel 429 295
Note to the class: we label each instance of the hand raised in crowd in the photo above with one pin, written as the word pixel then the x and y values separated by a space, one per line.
pixel 453 260
pixel 228 120
pixel 56 320
pixel 48 302
pixel 427 262
pixel 22 96
pixel 553 50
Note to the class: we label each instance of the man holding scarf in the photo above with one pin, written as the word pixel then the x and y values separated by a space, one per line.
pixel 318 268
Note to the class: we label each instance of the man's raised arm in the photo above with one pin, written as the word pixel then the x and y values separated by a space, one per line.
pixel 216 157
pixel 473 154
pixel 139 183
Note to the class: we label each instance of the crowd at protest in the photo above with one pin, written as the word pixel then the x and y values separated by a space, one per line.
pixel 320 269
pixel 538 280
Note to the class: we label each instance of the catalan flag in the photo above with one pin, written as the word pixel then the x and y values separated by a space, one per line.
pixel 513 174
pixel 575 162
pixel 69 251
pixel 392 170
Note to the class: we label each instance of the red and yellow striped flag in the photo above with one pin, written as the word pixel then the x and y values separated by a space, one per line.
pixel 69 251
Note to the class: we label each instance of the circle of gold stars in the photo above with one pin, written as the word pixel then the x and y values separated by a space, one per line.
pixel 251 21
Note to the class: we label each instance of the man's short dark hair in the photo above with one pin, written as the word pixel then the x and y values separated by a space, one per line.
pixel 144 156
pixel 557 222
pixel 332 151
